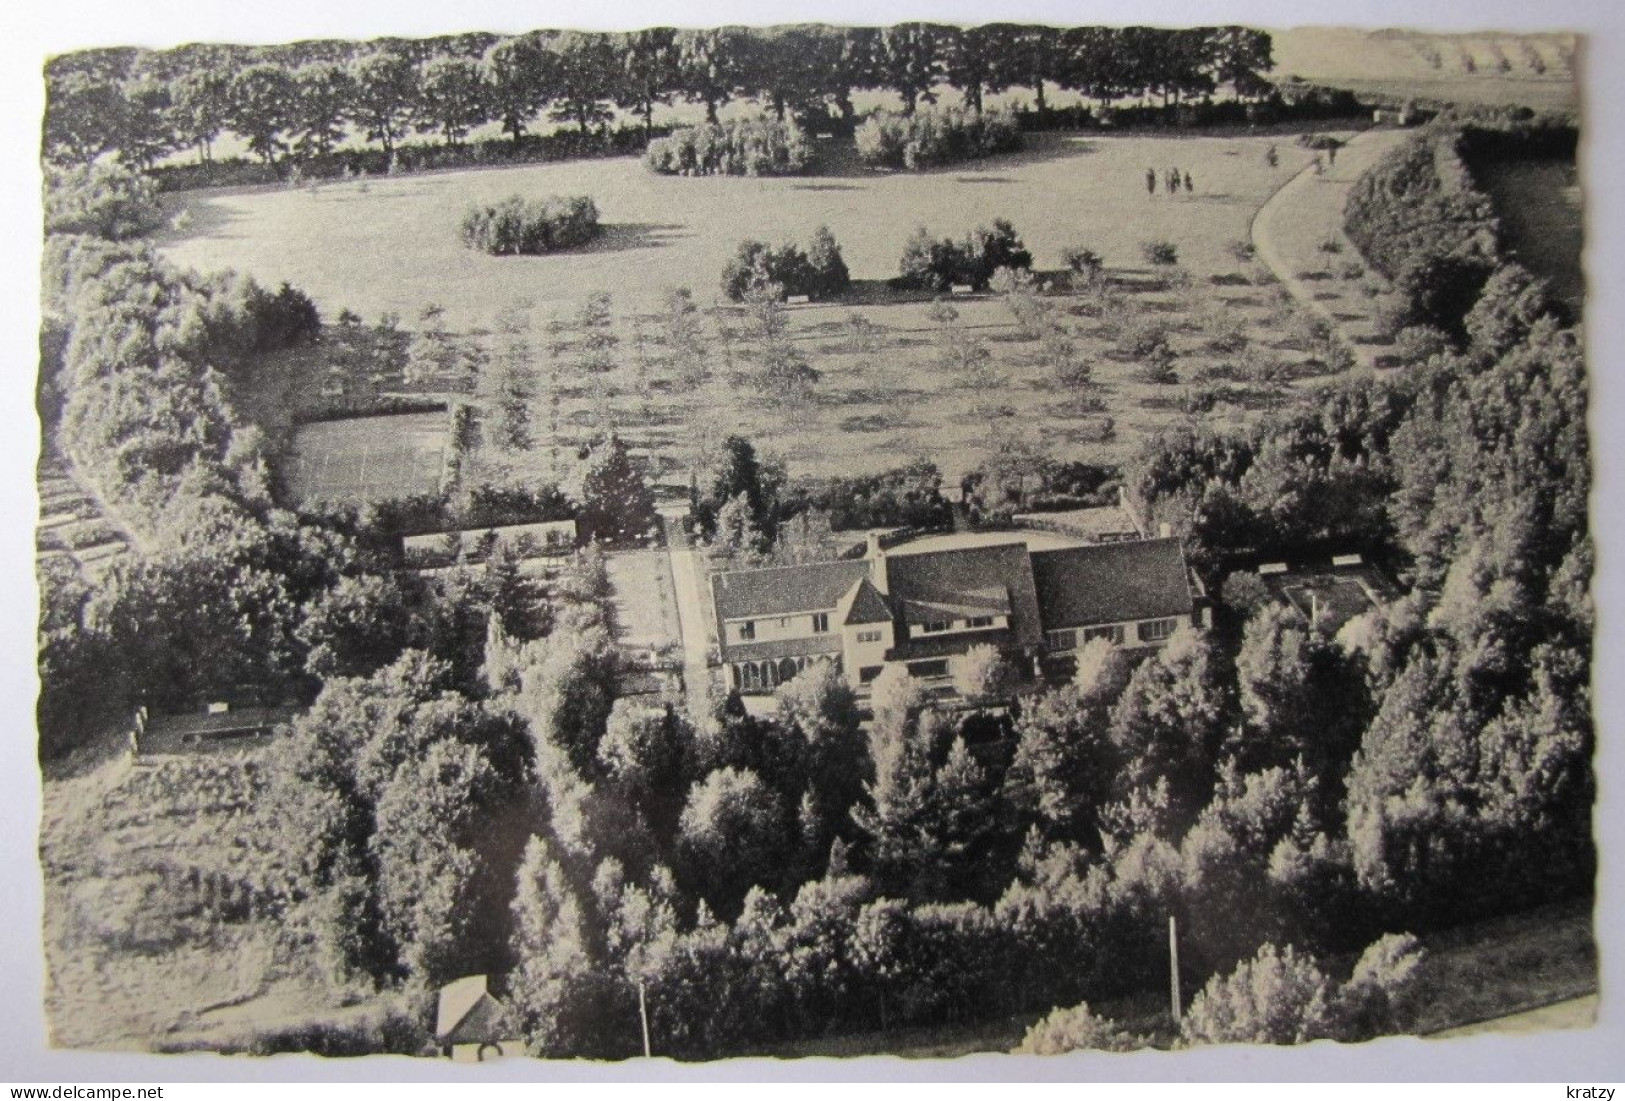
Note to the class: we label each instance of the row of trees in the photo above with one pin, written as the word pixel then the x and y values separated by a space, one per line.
pixel 310 96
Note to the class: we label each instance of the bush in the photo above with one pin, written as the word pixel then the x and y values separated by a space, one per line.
pixel 741 147
pixel 933 137
pixel 1076 1029
pixel 1160 252
pixel 1420 343
pixel 818 273
pixel 1083 261
pixel 936 265
pixel 1140 337
pixel 520 227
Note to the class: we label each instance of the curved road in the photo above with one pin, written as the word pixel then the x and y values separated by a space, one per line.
pixel 1288 229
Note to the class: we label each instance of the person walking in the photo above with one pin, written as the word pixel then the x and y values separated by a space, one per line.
pixel 1150 181
pixel 1188 185
pixel 1331 154
pixel 1272 158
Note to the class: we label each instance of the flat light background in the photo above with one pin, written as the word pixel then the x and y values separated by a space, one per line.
pixel 34 29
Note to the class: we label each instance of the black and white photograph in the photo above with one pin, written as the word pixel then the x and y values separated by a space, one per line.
pixel 813 539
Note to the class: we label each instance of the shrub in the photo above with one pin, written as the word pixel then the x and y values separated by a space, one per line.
pixel 1139 337
pixel 933 137
pixel 740 147
pixel 1083 261
pixel 520 227
pixel 936 265
pixel 1160 252
pixel 1420 343
pixel 819 273
pixel 103 200
pixel 1076 1029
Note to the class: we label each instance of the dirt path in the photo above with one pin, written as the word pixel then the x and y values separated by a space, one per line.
pixel 688 582
pixel 1290 228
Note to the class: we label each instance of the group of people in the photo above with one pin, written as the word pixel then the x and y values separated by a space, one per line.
pixel 1173 179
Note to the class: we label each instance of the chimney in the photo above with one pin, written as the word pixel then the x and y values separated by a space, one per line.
pixel 877 562
pixel 1164 530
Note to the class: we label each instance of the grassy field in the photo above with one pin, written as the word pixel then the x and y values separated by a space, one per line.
pixel 148 938
pixel 368 458
pixel 1538 203
pixel 390 246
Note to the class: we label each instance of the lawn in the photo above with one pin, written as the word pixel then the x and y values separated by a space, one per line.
pixel 1538 202
pixel 368 458
pixel 390 246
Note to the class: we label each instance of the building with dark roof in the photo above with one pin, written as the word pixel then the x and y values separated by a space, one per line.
pixel 925 610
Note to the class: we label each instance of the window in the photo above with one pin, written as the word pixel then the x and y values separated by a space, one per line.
pixel 747 630
pixel 784 621
pixel 820 622
pixel 935 626
pixel 979 621
pixel 935 668
pixel 1063 640
pixel 1112 634
pixel 1155 630
pixel 869 636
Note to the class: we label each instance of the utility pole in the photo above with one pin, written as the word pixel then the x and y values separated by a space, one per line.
pixel 1173 967
pixel 643 1016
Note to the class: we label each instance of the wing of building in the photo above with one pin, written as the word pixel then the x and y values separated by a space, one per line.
pixel 925 609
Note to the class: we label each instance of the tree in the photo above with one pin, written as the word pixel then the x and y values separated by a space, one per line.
pixel 1440 291
pixel 263 101
pixel 555 988
pixel 908 59
pixel 584 68
pixel 518 74
pixel 819 709
pixel 145 130
pixel 648 74
pixel 984 675
pixel 613 502
pixel 357 626
pixel 567 690
pixel 387 93
pixel 644 752
pixel 1172 719
pixel 971 65
pixel 454 98
pixel 1298 695
pixel 1508 308
pixel 201 107
pixel 1060 776
pixel 711 65
pixel 1277 997
pixel 732 836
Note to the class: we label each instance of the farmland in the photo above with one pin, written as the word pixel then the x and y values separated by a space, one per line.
pixel 389 246
pixel 1472 70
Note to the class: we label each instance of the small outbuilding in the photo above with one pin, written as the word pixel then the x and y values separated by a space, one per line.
pixel 472 1024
